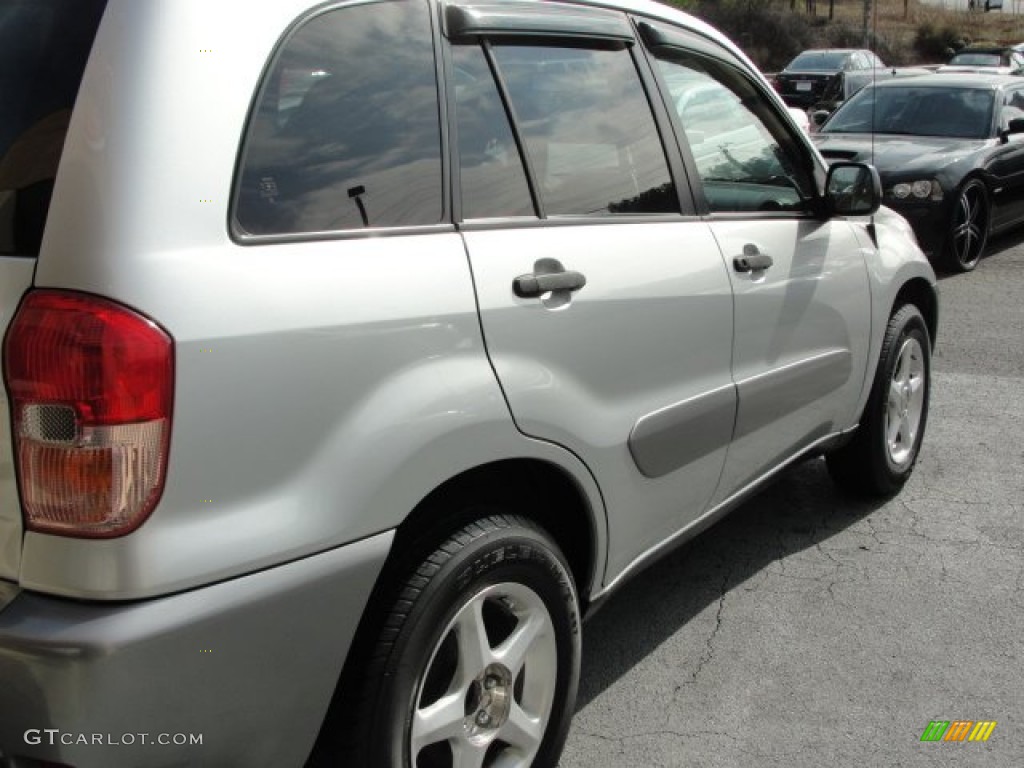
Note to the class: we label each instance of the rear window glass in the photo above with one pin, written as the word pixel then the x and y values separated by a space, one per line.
pixel 818 61
pixel 588 129
pixel 490 169
pixel 44 45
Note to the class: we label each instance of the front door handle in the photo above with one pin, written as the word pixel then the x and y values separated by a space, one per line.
pixel 536 285
pixel 752 260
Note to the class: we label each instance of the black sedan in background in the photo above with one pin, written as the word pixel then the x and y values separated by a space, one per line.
pixel 950 151
pixel 809 77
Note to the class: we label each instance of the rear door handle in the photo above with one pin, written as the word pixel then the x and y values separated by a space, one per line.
pixel 536 285
pixel 751 260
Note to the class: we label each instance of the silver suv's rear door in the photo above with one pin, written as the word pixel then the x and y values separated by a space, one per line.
pixel 608 314
pixel 44 45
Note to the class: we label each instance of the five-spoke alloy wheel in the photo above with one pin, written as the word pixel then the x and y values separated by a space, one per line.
pixel 905 407
pixel 968 234
pixel 490 682
pixel 881 455
pixel 476 664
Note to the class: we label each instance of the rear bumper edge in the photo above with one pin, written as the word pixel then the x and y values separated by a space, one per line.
pixel 249 665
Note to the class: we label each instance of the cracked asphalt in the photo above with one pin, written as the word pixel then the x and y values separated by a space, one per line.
pixel 807 629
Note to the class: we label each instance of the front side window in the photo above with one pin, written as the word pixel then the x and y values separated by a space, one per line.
pixel 588 128
pixel 346 133
pixel 744 156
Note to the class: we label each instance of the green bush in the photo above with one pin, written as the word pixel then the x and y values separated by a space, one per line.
pixel 934 43
pixel 892 52
pixel 771 35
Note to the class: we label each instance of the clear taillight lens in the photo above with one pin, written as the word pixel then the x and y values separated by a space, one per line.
pixel 91 385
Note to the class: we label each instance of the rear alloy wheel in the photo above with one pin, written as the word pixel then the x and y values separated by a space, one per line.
pixel 477 662
pixel 881 455
pixel 968 234
pixel 479 696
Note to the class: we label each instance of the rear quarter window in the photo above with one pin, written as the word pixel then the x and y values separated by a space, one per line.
pixel 346 134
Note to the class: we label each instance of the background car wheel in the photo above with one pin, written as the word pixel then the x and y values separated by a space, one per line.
pixel 881 456
pixel 968 234
pixel 477 662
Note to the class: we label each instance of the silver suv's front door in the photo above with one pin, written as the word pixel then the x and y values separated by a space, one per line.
pixel 799 279
pixel 607 313
pixel 802 332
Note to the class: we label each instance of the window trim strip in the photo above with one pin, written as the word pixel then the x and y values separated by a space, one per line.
pixel 517 135
pixel 463 20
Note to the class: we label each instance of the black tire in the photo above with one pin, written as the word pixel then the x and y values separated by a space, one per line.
pixel 496 577
pixel 969 228
pixel 881 456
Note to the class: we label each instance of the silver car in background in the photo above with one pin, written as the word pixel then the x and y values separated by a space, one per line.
pixel 355 352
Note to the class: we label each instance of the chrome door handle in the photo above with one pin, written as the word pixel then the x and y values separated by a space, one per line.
pixel 534 285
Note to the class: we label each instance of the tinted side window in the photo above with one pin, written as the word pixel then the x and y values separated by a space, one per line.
pixel 491 171
pixel 745 157
pixel 346 132
pixel 588 128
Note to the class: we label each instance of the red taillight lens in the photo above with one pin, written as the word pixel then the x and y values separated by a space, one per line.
pixel 91 385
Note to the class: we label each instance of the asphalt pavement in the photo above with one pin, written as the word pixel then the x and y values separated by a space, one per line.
pixel 807 629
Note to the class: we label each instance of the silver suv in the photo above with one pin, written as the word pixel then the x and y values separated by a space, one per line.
pixel 353 352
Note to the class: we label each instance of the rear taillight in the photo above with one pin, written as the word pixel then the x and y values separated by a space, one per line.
pixel 91 385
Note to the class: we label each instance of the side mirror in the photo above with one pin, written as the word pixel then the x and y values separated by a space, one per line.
pixel 852 189
pixel 819 116
pixel 1016 125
